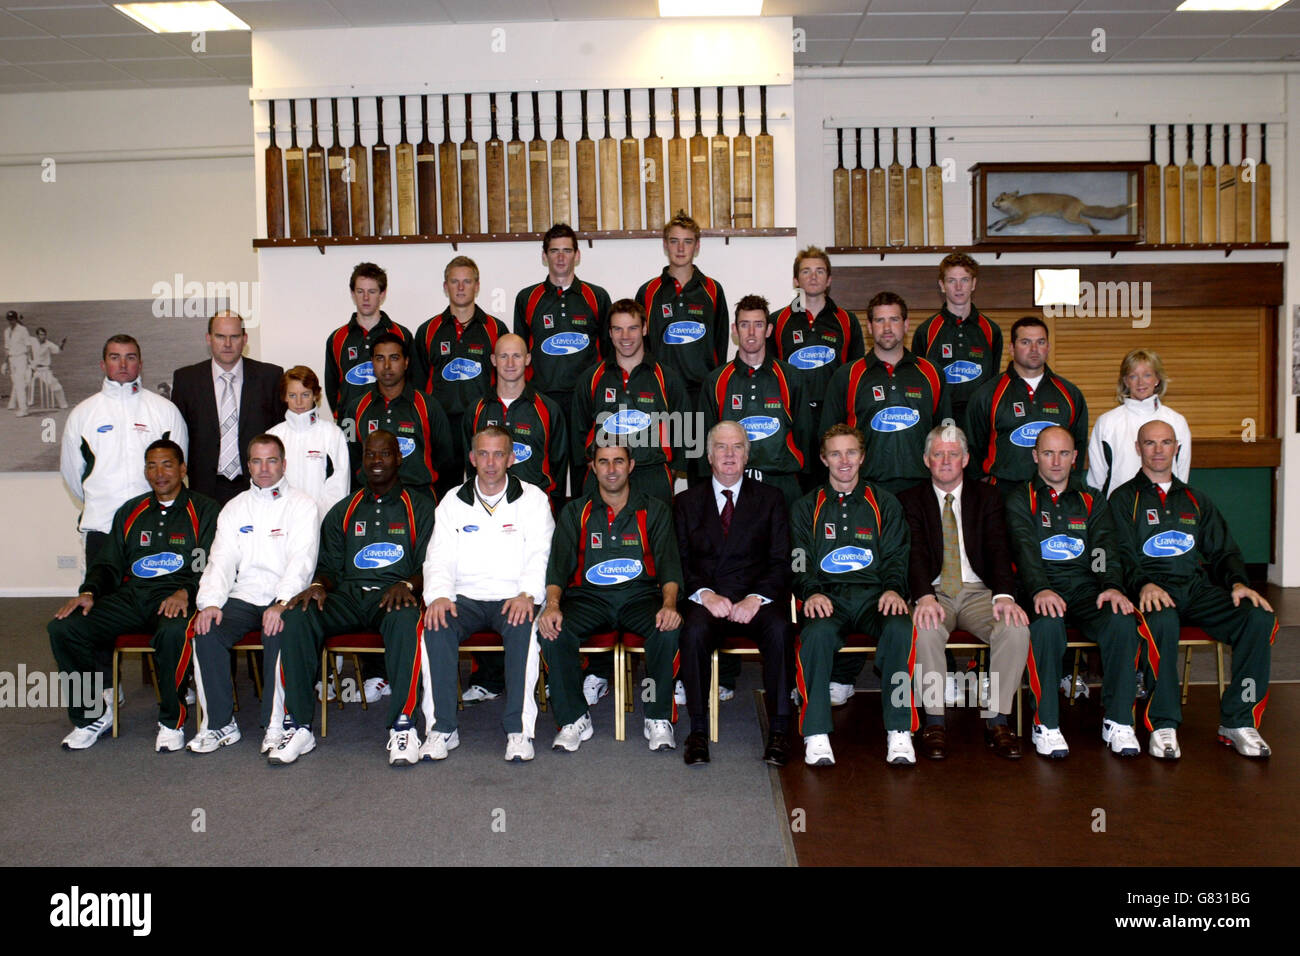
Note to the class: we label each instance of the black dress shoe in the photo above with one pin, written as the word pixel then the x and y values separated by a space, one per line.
pixel 934 741
pixel 1002 741
pixel 777 752
pixel 696 750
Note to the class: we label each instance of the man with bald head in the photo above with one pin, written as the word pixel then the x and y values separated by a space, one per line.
pixel 734 538
pixel 1071 570
pixel 226 401
pixel 1182 564
pixel 541 449
pixel 369 576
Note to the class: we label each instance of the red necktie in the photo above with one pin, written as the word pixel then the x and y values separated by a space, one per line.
pixel 728 510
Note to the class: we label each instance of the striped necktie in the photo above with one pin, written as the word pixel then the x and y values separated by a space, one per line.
pixel 228 463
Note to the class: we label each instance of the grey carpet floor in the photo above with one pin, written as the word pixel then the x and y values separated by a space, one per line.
pixel 610 803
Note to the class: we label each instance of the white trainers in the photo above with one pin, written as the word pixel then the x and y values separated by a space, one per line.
pixel 1164 744
pixel 679 694
pixel 190 696
pixel 725 693
pixel 898 748
pixel 1142 692
pixel 437 745
pixel 518 747
pixel 817 750
pixel 1123 742
pixel 331 695
pixel 209 740
pixel 375 688
pixel 1245 740
pixel 271 739
pixel 660 734
pixel 1049 742
pixel 571 735
pixel 168 740
pixel 1080 687
pixel 840 694
pixel 294 742
pixel 83 738
pixel 477 692
pixel 594 688
pixel 403 747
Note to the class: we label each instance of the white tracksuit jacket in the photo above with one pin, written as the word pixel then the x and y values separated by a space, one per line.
pixel 314 445
pixel 104 439
pixel 1115 435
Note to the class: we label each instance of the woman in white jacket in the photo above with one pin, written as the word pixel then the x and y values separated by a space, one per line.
pixel 315 449
pixel 1112 452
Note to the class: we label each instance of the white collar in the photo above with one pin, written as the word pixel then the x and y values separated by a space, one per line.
pixel 719 487
pixel 273 493
pixel 237 371
pixel 301 421
pixel 120 390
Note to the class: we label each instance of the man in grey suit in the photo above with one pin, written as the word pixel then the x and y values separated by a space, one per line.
pixel 225 402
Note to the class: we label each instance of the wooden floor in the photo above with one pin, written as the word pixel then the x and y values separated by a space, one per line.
pixel 1212 808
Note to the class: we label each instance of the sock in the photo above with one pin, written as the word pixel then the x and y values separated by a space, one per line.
pixel 995 721
pixel 933 719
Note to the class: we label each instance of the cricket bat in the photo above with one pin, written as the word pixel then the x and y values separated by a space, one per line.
pixel 336 160
pixel 426 174
pixel 897 202
pixel 381 176
pixel 470 221
pixel 359 181
pixel 934 197
pixel 840 188
pixel 274 184
pixel 539 173
pixel 1173 205
pixel 720 157
pixel 1263 190
pixel 656 173
pixel 915 200
pixel 317 211
pixel 700 172
pixel 516 172
pixel 1209 193
pixel 1227 192
pixel 448 182
pixel 1243 193
pixel 764 172
pixel 629 151
pixel 742 172
pixel 609 195
pixel 679 189
pixel 561 199
pixel 876 181
pixel 1151 192
pixel 494 156
pixel 586 151
pixel 858 197
pixel 296 177
pixel 1191 192
pixel 405 152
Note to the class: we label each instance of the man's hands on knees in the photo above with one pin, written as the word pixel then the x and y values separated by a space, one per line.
pixel 272 619
pixel 550 622
pixel 891 602
pixel 1119 604
pixel 929 613
pixel 204 620
pixel 518 609
pixel 1047 603
pixel 1240 591
pixel 1005 609
pixel 435 615
pixel 667 618
pixel 398 596
pixel 716 604
pixel 314 592
pixel 1153 598
pixel 818 605
pixel 85 601
pixel 175 604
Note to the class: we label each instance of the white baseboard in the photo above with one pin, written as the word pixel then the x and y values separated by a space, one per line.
pixel 38 592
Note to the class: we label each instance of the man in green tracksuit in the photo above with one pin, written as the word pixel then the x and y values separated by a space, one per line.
pixel 851 548
pixel 1185 568
pixel 142 579
pixel 613 564
pixel 368 577
pixel 1005 416
pixel 348 370
pixel 893 396
pixel 1071 568
pixel 765 396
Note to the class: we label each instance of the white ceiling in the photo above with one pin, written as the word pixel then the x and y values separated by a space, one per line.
pixel 86 44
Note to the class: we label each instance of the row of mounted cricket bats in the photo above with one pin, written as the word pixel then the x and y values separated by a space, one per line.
pixel 722 181
pixel 1208 203
pixel 867 214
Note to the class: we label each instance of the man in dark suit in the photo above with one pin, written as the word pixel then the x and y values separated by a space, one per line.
pixel 960 577
pixel 225 402
pixel 734 538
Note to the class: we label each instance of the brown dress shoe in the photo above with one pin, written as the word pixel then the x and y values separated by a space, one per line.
pixel 1002 741
pixel 934 741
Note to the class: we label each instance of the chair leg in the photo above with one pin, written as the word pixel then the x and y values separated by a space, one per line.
pixel 1074 675
pixel 153 674
pixel 1187 671
pixel 117 657
pixel 1020 713
pixel 713 698
pixel 1218 653
pixel 620 692
pixel 324 701
pixel 256 673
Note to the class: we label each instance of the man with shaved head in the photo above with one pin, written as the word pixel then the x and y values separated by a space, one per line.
pixel 1182 564
pixel 540 443
pixel 1071 570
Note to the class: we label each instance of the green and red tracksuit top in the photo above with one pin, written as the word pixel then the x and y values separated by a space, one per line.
pixel 689 328
pixel 423 434
pixel 371 542
pixel 453 363
pixel 349 371
pixel 857 539
pixel 967 352
pixel 614 557
pixel 768 402
pixel 541 436
pixel 1004 418
pixel 565 330
pixel 1063 541
pixel 613 407
pixel 815 345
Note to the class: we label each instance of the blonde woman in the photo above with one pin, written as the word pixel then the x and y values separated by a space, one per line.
pixel 1112 452
pixel 315 449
